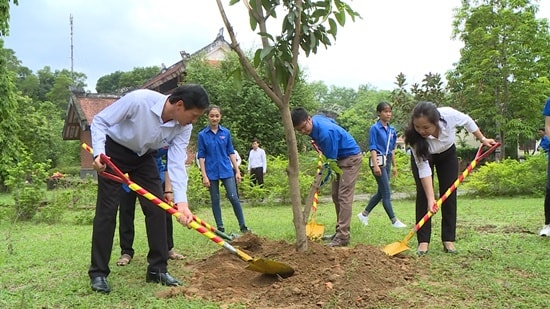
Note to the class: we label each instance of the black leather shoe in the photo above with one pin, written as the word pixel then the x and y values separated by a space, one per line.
pixel 162 278
pixel 99 284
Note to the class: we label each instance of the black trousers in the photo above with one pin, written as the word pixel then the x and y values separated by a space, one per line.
pixel 126 230
pixel 143 171
pixel 446 166
pixel 257 174
pixel 547 195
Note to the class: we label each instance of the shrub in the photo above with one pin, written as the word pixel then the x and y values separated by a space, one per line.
pixel 510 178
pixel 84 218
pixel 50 213
pixel 26 183
pixel 197 194
pixel 253 194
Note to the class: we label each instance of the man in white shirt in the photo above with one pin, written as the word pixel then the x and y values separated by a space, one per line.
pixel 257 163
pixel 129 132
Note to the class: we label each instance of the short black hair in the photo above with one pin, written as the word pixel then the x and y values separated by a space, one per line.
pixel 299 115
pixel 192 95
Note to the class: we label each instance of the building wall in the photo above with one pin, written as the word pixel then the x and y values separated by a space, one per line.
pixel 86 158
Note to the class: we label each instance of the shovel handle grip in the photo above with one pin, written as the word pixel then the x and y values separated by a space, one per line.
pixel 212 229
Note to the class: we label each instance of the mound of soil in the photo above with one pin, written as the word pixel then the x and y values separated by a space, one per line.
pixel 352 277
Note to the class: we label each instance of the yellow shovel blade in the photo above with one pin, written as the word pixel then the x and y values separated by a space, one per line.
pixel 395 248
pixel 314 230
pixel 270 267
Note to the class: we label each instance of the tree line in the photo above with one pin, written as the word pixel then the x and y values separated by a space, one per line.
pixel 501 80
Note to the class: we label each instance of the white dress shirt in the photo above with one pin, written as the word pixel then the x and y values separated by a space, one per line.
pixel 447 133
pixel 256 158
pixel 134 121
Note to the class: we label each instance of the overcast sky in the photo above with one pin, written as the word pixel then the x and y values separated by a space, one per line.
pixel 413 37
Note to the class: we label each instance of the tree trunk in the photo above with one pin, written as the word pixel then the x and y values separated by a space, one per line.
pixel 293 172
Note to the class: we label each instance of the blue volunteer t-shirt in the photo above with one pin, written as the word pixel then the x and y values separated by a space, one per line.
pixel 382 139
pixel 215 148
pixel 546 110
pixel 333 140
pixel 545 144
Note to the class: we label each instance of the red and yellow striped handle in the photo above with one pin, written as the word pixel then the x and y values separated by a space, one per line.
pixel 452 188
pixel 119 176
pixel 316 194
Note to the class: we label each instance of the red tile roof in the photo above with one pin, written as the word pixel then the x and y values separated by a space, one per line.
pixel 82 109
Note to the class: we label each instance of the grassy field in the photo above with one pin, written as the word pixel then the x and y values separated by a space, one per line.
pixel 502 262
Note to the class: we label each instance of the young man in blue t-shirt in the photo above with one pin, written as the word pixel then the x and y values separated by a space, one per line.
pixel 337 144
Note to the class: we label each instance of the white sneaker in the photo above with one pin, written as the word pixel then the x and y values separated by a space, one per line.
pixel 364 219
pixel 398 224
pixel 545 231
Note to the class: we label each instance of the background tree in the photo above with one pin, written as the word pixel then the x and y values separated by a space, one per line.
pixel 320 91
pixel 9 142
pixel 431 89
pixel 41 104
pixel 361 113
pixel 338 99
pixel 25 80
pixel 501 79
pixel 109 83
pixel 5 16
pixel 64 78
pixel 247 111
pixel 403 103
pixel 120 82
pixel 306 26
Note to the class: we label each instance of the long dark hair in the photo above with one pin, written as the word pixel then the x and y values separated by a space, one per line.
pixel 413 138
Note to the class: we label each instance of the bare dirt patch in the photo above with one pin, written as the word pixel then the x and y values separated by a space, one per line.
pixel 354 277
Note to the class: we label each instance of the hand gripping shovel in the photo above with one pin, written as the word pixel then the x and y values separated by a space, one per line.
pixel 400 246
pixel 255 264
pixel 313 229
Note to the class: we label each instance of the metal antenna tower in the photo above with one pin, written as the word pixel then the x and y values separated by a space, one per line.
pixel 71 35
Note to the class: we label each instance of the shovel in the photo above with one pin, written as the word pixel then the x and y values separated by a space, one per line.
pixel 213 229
pixel 314 230
pixel 255 264
pixel 400 246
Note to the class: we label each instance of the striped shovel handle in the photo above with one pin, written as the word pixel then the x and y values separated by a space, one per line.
pixel 120 177
pixel 316 195
pixel 479 156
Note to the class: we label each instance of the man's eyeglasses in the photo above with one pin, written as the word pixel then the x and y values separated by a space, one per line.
pixel 303 126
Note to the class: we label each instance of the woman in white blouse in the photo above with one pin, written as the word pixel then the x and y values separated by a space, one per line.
pixel 431 135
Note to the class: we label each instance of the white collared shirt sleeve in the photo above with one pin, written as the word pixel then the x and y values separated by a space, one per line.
pixel 423 166
pixel 177 156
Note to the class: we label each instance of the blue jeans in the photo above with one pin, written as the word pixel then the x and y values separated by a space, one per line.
pixel 384 191
pixel 232 195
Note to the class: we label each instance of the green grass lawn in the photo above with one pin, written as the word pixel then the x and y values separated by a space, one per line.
pixel 502 262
